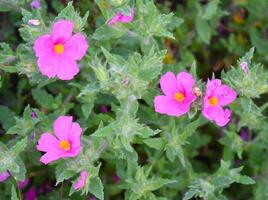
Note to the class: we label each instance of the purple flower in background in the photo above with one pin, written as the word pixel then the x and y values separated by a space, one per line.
pixel 244 135
pixel 4 176
pixel 36 4
pixel 116 179
pixel 92 198
pixel 31 194
pixel 244 66
pixel 104 109
pixel 45 188
pixel 24 183
pixel 33 115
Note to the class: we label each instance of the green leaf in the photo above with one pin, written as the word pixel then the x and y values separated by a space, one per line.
pixel 104 131
pixel 26 15
pixel 7 58
pixel 190 194
pixel 232 141
pixel 245 180
pixel 96 188
pixel 126 144
pixel 6 117
pixel 19 147
pixel 150 22
pixel 70 13
pixel 204 31
pixel 211 10
pixel 14 195
pixel 46 100
pixel 87 108
pixel 155 143
pixel 103 33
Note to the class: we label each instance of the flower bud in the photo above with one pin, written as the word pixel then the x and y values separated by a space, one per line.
pixel 197 91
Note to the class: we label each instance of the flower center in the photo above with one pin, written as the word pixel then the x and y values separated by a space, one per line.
pixel 213 101
pixel 179 96
pixel 58 48
pixel 65 145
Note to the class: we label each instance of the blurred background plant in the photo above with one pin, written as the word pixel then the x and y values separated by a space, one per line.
pixel 130 151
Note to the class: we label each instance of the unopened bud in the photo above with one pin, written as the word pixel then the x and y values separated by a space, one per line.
pixel 197 92
pixel 34 22
pixel 244 66
pixel 126 81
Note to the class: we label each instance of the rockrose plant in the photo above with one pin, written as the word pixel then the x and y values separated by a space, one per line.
pixel 133 99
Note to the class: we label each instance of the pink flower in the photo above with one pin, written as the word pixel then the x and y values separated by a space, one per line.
pixel 81 181
pixel 217 96
pixel 31 194
pixel 178 94
pixel 65 144
pixel 58 52
pixel 4 176
pixel 120 17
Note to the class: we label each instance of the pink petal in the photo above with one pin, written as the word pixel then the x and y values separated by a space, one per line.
pixel 189 98
pixel 43 45
pixel 168 83
pixel 47 142
pixel 211 113
pixel 186 80
pixel 4 176
pixel 217 114
pixel 76 46
pixel 50 156
pixel 81 181
pixel 225 95
pixel 75 135
pixel 223 119
pixel 62 30
pixel 48 65
pixel 213 83
pixel 168 106
pixel 127 19
pixel 62 127
pixel 73 152
pixel 62 66
pixel 67 68
pixel 114 19
pixel 120 17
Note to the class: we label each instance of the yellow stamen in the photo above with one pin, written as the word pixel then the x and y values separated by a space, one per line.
pixel 58 48
pixel 65 145
pixel 213 101
pixel 179 96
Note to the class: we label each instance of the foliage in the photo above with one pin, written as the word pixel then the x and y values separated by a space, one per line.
pixel 128 150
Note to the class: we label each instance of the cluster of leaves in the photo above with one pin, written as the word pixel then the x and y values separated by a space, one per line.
pixel 153 156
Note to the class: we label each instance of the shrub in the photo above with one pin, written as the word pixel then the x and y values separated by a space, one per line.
pixel 124 99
